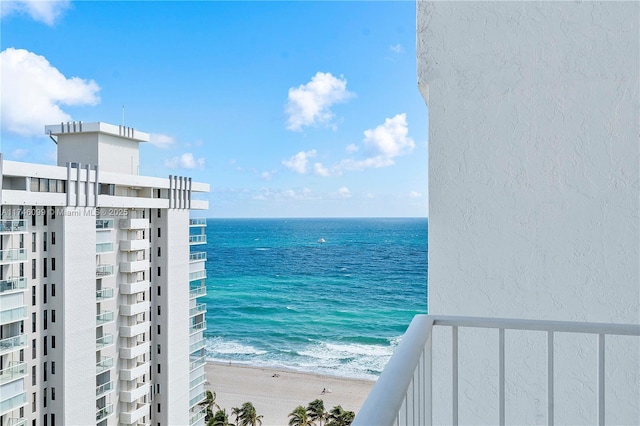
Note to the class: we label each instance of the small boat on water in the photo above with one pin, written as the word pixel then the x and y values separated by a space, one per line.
pixel 322 240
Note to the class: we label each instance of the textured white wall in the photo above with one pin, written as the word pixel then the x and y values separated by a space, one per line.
pixel 534 196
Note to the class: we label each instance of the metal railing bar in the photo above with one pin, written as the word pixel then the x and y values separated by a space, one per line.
pixel 428 379
pixel 454 374
pixel 550 408
pixel 538 325
pixel 601 379
pixel 501 374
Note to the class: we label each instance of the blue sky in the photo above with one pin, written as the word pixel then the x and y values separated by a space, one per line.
pixel 287 109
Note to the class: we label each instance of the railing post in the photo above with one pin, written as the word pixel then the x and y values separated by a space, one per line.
pixel 428 380
pixel 601 379
pixel 550 409
pixel 454 373
pixel 501 375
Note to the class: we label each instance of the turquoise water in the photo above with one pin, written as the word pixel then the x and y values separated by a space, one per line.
pixel 277 297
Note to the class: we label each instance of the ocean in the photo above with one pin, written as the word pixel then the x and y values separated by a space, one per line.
pixel 330 296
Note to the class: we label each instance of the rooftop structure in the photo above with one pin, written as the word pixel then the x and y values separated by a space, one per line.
pixel 99 320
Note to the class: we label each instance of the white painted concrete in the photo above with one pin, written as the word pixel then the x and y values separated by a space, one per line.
pixel 534 199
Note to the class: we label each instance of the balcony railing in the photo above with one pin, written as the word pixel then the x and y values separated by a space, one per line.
pixel 104 317
pixel 197 363
pixel 197 381
pixel 195 417
pixel 104 224
pixel 197 345
pixel 11 284
pixel 197 399
pixel 12 225
pixel 104 364
pixel 103 389
pixel 197 292
pixel 13 315
pixel 198 309
pixel 13 255
pixel 197 239
pixel 403 393
pixel 197 327
pixel 104 341
pixel 198 222
pixel 16 422
pixel 104 270
pixel 13 372
pixel 10 404
pixel 197 275
pixel 104 294
pixel 104 247
pixel 197 256
pixel 13 343
pixel 104 412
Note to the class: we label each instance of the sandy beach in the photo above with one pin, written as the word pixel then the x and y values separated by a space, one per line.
pixel 275 397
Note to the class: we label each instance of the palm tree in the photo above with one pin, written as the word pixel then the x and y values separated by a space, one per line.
pixel 248 415
pixel 339 417
pixel 299 417
pixel 316 411
pixel 235 411
pixel 209 403
pixel 220 418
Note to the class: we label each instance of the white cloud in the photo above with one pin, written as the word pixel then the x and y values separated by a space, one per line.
pixel 390 139
pixel 298 163
pixel 344 192
pixel 19 153
pixel 267 194
pixel 161 141
pixel 320 170
pixel 268 175
pixel 397 48
pixel 46 11
pixel 414 194
pixel 351 148
pixel 33 90
pixel 185 161
pixel 310 104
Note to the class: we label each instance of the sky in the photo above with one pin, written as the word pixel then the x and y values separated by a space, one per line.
pixel 286 109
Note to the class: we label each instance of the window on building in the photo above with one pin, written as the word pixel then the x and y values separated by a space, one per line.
pixel 53 213
pixel 35 184
pixel 33 269
pixel 159 212
pixel 33 241
pixel 158 328
pixel 53 263
pixel 53 315
pixel 158 309
pixel 22 269
pixel 158 251
pixel 33 295
pixel 159 271
pixel 44 371
pixel 33 349
pixel 33 322
pixel 44 320
pixel 33 375
pixel 44 345
pixel 44 241
pixel 33 404
pixel 53 415
pixel 53 342
pixel 44 267
pixel 158 368
pixel 159 232
pixel 44 403
pixel 21 241
pixel 53 367
pixel 61 186
pixel 44 216
pixel 158 407
pixel 158 348
pixel 53 290
pixel 33 215
pixel 53 238
pixel 44 293
pixel 53 398
pixel 44 185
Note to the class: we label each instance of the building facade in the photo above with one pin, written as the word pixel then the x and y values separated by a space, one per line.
pixel 99 279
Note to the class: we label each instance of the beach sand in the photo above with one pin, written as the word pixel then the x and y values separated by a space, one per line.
pixel 276 397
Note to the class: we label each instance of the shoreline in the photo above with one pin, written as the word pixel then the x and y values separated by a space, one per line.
pixel 275 392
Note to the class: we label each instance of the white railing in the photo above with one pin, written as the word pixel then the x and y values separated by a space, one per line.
pixel 198 222
pixel 402 394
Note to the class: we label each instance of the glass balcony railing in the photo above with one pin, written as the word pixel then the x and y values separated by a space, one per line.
pixel 17 422
pixel 15 283
pixel 104 364
pixel 198 309
pixel 197 345
pixel 13 403
pixel 104 317
pixel 13 225
pixel 104 388
pixel 13 372
pixel 197 239
pixel 104 247
pixel 104 223
pixel 197 275
pixel 104 270
pixel 197 381
pixel 196 399
pixel 12 343
pixel 104 412
pixel 104 341
pixel 13 255
pixel 104 294
pixel 198 222
pixel 201 255
pixel 197 327
pixel 197 291
pixel 198 362
pixel 13 315
pixel 197 416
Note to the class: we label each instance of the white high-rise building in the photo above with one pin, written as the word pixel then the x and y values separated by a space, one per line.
pixel 99 320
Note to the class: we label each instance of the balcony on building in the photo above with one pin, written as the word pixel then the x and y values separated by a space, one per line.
pixel 403 393
pixel 14 343
pixel 134 245
pixel 104 224
pixel 199 379
pixel 196 414
pixel 134 308
pixel 104 294
pixel 104 341
pixel 104 317
pixel 133 266
pixel 104 389
pixel 197 275
pixel 104 247
pixel 197 362
pixel 200 343
pixel 131 413
pixel 136 368
pixel 196 239
pixel 12 403
pixel 13 284
pixel 140 348
pixel 13 255
pixel 135 392
pixel 134 287
pixel 131 224
pixel 13 225
pixel 104 364
pixel 200 308
pixel 14 421
pixel 135 328
pixel 197 399
pixel 200 256
pixel 198 291
pixel 14 371
pixel 103 413
pixel 197 326
pixel 104 270
pixel 13 315
pixel 198 222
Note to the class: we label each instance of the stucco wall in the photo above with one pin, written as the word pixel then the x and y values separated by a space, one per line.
pixel 534 194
